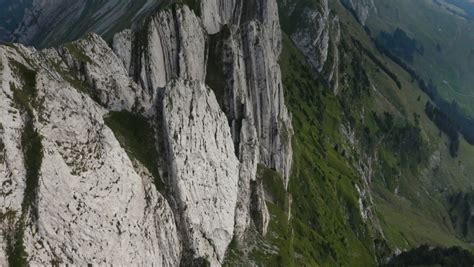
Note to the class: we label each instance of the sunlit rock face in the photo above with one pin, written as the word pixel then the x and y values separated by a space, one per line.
pixel 92 203
pixel 204 168
pixel 208 83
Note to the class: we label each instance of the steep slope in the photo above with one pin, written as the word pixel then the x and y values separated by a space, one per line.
pixel 74 176
pixel 10 16
pixel 54 22
pixel 443 55
pixel 417 193
pixel 67 111
pixel 213 135
pixel 395 197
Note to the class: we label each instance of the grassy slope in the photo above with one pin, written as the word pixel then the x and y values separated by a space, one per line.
pixel 417 214
pixel 430 24
pixel 326 228
pixel 327 221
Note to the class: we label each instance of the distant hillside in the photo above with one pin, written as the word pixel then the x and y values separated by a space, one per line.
pixel 445 31
pixel 11 14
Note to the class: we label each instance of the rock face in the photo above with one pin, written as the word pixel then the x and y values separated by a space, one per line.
pixel 204 168
pixel 174 46
pixel 317 36
pixel 217 13
pixel 90 185
pixel 12 170
pixel 362 8
pixel 92 205
pixel 313 39
pixel 205 79
pixel 244 57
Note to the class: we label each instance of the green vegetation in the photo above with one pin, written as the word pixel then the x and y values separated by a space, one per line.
pixel 456 119
pixel 215 73
pixel 402 138
pixel 461 211
pixel 399 44
pixel 279 230
pixel 378 63
pixel 273 184
pixel 276 247
pixel 24 96
pixel 30 138
pixel 33 156
pixel 32 150
pixel 445 125
pixel 17 256
pixel 326 222
pixel 447 56
pixel 77 52
pixel 428 256
pixel 395 139
pixel 137 137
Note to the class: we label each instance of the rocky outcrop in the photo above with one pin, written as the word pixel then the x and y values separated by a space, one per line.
pixel 217 13
pixel 204 168
pixel 12 170
pixel 244 57
pixel 313 39
pixel 92 201
pixel 362 8
pixel 104 74
pixel 89 184
pixel 90 204
pixel 172 45
pixel 316 37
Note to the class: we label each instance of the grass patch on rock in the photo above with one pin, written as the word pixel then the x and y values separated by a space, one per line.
pixel 136 136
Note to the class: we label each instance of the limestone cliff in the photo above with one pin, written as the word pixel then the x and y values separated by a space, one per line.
pixel 205 80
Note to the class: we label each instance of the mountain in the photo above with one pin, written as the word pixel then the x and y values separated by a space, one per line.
pixel 226 132
pixel 10 16
pixel 46 23
pixel 80 122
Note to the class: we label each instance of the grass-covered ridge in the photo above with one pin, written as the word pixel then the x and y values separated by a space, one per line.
pixel 411 201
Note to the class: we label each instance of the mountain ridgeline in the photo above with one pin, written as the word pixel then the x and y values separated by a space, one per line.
pixel 226 133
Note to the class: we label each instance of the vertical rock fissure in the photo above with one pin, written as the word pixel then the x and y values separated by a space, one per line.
pixel 32 156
